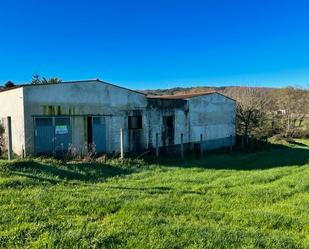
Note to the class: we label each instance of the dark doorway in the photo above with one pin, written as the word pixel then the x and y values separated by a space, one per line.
pixel 135 135
pixel 89 131
pixel 168 131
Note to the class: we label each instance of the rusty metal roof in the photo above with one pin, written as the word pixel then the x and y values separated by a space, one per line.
pixel 186 96
pixel 180 96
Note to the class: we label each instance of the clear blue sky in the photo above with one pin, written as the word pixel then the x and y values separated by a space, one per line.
pixel 157 44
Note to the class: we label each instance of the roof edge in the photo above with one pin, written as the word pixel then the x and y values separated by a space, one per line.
pixel 70 82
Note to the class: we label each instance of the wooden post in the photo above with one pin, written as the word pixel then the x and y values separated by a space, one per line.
pixel 9 138
pixel 157 145
pixel 121 144
pixel 181 146
pixel 201 146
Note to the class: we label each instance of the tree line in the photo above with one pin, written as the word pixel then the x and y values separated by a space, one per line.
pixel 36 80
pixel 262 113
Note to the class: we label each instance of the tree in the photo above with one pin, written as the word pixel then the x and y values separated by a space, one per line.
pixel 36 80
pixel 54 80
pixel 250 111
pixel 293 104
pixel 51 80
pixel 9 84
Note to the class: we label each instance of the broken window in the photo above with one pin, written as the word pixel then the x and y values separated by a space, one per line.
pixel 135 122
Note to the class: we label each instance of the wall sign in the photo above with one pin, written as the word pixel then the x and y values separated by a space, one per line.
pixel 62 129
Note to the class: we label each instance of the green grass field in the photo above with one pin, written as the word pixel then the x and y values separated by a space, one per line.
pixel 258 200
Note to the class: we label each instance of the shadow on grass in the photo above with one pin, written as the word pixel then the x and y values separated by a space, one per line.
pixel 155 190
pixel 56 173
pixel 271 157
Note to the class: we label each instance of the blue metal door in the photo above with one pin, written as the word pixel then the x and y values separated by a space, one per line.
pixel 99 134
pixel 62 134
pixel 44 136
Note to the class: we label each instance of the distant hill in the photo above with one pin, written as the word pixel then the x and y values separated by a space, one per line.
pixel 188 90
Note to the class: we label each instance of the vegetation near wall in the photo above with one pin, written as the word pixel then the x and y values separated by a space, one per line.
pixel 2 138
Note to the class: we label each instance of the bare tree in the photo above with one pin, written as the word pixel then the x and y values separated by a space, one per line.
pixel 251 110
pixel 294 106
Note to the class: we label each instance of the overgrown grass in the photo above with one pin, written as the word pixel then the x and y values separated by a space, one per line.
pixel 234 200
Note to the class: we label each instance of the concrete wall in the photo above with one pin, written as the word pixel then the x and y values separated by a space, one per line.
pixel 214 116
pixel 211 115
pixel 78 100
pixel 12 104
pixel 159 108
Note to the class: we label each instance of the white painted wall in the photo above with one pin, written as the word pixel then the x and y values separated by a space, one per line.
pixel 11 104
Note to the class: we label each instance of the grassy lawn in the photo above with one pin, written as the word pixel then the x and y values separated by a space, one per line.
pixel 258 200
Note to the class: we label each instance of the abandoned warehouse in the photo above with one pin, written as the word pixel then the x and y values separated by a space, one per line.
pixel 53 118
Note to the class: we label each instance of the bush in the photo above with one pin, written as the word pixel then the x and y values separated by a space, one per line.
pixel 301 134
pixel 2 139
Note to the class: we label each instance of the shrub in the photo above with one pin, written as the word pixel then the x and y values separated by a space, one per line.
pixel 301 134
pixel 2 138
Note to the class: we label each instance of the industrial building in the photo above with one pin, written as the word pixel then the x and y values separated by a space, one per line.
pixel 52 118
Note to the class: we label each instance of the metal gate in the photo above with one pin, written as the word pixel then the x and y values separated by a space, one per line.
pixel 99 134
pixel 52 135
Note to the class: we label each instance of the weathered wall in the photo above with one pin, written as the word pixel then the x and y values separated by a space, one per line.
pixel 157 109
pixel 11 104
pixel 214 116
pixel 79 100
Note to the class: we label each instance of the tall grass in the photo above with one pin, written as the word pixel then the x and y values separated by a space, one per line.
pixel 258 200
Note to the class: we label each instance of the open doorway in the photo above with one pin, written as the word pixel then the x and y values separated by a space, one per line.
pixel 168 131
